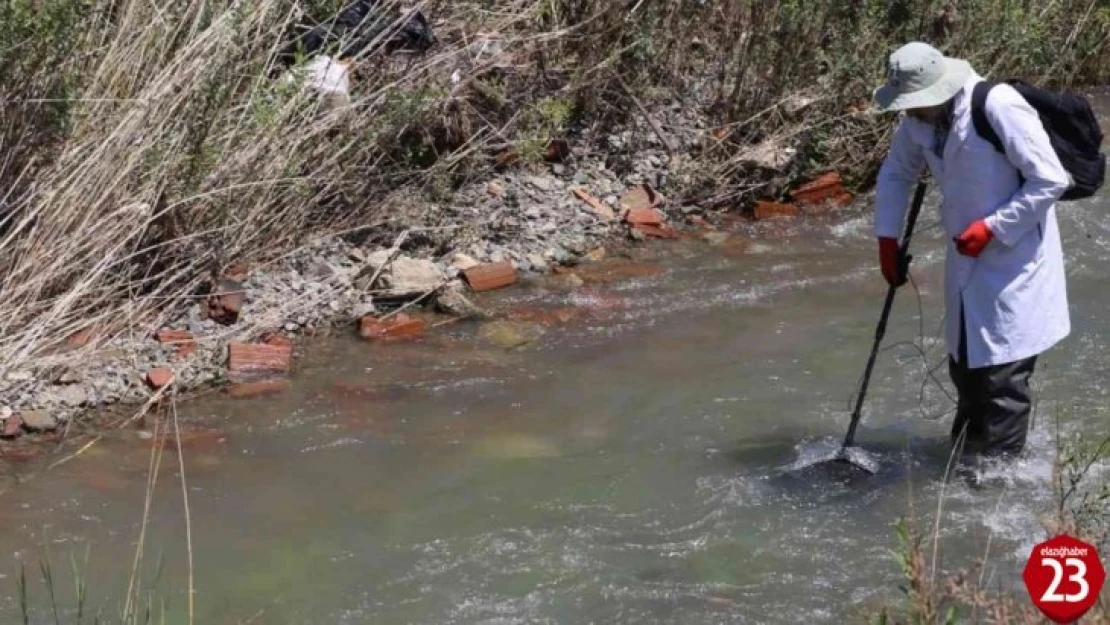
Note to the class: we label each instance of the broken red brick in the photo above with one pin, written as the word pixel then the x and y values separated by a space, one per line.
pixel 601 209
pixel 400 327
pixel 371 328
pixel 246 360
pixel 558 150
pixel 644 216
pixel 13 427
pixel 824 188
pixel 159 378
pixel 258 388
pixel 766 210
pixel 843 198
pixel 643 196
pixel 238 272
pixel 490 276
pixel 167 336
pixel 184 341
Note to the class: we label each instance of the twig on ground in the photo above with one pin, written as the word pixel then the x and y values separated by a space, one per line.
pixel 644 112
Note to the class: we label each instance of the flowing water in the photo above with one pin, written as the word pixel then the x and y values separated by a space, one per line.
pixel 639 461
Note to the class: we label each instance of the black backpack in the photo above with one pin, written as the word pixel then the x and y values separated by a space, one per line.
pixel 1072 128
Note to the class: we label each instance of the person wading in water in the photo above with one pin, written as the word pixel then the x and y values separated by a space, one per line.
pixel 1005 295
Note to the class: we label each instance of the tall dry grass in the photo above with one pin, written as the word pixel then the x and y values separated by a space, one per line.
pixel 143 147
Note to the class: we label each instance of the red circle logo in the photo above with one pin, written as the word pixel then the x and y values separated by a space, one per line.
pixel 1064 577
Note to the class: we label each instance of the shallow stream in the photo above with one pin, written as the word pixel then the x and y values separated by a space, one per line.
pixel 631 463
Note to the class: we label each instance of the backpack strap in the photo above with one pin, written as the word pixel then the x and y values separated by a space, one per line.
pixel 983 125
pixel 979 114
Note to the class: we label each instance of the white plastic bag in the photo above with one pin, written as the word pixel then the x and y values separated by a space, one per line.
pixel 325 75
pixel 329 76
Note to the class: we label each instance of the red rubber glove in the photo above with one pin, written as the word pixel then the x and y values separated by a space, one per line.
pixel 974 239
pixel 889 261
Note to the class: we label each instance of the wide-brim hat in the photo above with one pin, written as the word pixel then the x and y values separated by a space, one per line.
pixel 918 75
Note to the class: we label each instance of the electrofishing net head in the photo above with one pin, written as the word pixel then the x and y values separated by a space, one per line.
pixel 829 454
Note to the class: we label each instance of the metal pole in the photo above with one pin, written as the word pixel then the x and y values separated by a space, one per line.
pixel 880 331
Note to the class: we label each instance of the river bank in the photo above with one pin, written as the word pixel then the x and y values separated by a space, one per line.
pixel 238 333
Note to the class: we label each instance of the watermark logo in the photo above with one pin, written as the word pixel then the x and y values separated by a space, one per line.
pixel 1064 577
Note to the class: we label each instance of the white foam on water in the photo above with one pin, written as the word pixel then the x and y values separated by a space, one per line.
pixel 853 228
pixel 810 453
pixel 491 608
pixel 342 442
pixel 730 491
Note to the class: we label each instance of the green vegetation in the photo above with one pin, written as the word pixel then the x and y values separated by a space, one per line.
pixel 143 146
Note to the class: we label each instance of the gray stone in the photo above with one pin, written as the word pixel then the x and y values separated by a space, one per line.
pixel 69 376
pixel 452 300
pixel 403 277
pixel 38 420
pixel 72 396
pixel 509 334
pixel 543 183
pixel 357 255
pixel 363 308
pixel 20 376
pixel 321 270
pixel 576 244
pixel 538 263
pixel 561 256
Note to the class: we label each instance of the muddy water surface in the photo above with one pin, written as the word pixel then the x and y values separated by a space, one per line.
pixel 629 461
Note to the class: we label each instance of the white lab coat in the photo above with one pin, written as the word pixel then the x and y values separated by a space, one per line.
pixel 1014 294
